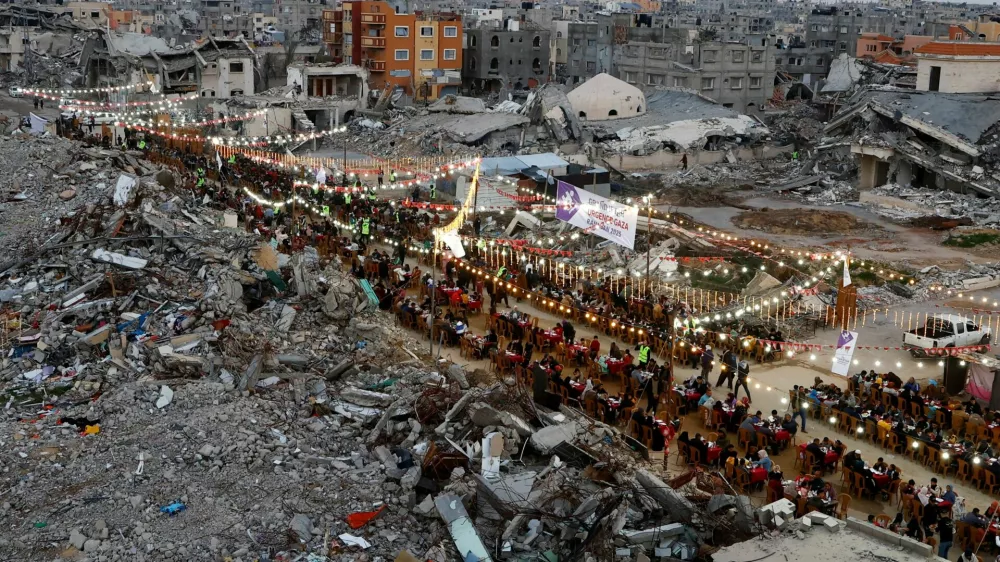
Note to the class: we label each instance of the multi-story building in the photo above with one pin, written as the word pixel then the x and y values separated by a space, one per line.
pixel 420 53
pixel 958 67
pixel 582 53
pixel 223 18
pixel 299 18
pixel 558 48
pixel 736 75
pixel 514 55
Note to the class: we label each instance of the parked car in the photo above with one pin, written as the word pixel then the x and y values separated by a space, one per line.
pixel 944 330
pixel 16 92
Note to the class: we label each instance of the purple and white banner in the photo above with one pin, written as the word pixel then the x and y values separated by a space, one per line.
pixel 596 214
pixel 845 353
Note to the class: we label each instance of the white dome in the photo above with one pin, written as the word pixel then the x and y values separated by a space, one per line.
pixel 605 97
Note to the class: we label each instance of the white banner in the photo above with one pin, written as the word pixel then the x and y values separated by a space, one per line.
pixel 846 344
pixel 37 123
pixel 597 215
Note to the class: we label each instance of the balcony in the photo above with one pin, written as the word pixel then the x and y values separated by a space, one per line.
pixel 375 65
pixel 373 42
pixel 334 38
pixel 373 19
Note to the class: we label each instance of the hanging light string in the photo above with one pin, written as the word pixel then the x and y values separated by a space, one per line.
pixel 183 123
pixel 233 141
pixel 64 93
pixel 102 106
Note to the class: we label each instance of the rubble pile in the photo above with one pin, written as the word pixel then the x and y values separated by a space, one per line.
pixel 175 389
pixel 917 205
pixel 800 124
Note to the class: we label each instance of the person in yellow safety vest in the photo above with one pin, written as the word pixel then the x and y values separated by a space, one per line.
pixel 364 227
pixel 232 159
pixel 643 354
pixel 371 195
pixel 347 198
pixel 392 176
pixel 501 272
pixel 201 172
pixel 433 191
pixel 397 215
pixel 201 182
pixel 142 145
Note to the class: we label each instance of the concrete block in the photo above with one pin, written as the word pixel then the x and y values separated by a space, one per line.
pixel 806 522
pixel 916 547
pixel 650 535
pixel 817 517
pixel 831 524
pixel 779 522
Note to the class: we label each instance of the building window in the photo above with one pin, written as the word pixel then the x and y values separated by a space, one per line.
pixel 450 31
pixel 536 42
pixel 576 41
pixel 736 83
pixel 208 93
pixel 402 54
pixel 709 56
pixel 755 82
pixel 708 83
pixel 558 34
pixel 591 42
pixel 654 79
pixel 402 31
pixel 843 29
pixel 630 77
pixel 426 31
pixel 558 52
pixel 236 93
pixel 472 63
pixel 426 54
pixel 450 54
pixel 680 82
pixel 756 56
pixel 778 61
pixel 574 63
pixel 871 48
pixel 591 66
pixel 814 27
pixel 494 64
pixel 472 40
pixel 843 45
pixel 495 42
pixel 737 56
pixel 333 28
pixel 656 53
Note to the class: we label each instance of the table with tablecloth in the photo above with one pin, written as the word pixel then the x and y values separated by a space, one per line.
pixel 454 295
pixel 831 455
pixel 758 474
pixel 881 479
pixel 551 335
pixel 615 366
pixel 514 358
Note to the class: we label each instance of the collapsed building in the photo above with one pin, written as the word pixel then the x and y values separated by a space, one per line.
pixel 210 68
pixel 924 139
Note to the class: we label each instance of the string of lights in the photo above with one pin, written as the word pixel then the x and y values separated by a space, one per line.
pixel 70 92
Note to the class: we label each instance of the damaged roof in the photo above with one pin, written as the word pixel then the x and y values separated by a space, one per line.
pixel 467 128
pixel 965 116
pixel 668 106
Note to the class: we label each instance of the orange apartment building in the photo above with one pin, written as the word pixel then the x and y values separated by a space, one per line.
pixel 420 52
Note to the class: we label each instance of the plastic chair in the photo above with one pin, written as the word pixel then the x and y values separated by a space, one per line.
pixel 883 520
pixel 745 438
pixel 844 501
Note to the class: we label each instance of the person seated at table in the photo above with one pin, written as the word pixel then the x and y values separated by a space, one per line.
pixel 763 460
pixel 749 423
pixel 698 442
pixel 896 525
pixel 975 519
pixel 490 341
pixel 817 383
pixel 933 487
pixel 730 401
pixel 880 465
pixel 973 407
pixel 851 458
pixel 819 457
pixel 949 495
pixel 912 386
pixel 706 399
pixel 614 352
pixel 595 348
pixel 529 350
pixel 728 452
pixel 627 357
pixel 516 347
pixel 788 424
pixel 775 473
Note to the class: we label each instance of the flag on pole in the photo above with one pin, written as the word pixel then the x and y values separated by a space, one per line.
pixel 218 160
pixel 847 273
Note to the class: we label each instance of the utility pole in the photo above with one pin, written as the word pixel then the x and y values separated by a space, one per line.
pixel 649 243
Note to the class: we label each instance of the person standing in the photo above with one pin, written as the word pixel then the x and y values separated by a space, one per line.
pixel 946 536
pixel 684 161
pixel 729 365
pixel 742 372
pixel 707 358
pixel 799 406
pixel 644 351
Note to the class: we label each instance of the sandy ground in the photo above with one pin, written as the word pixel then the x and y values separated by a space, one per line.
pixel 917 246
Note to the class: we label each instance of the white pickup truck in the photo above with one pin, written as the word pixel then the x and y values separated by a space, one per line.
pixel 944 330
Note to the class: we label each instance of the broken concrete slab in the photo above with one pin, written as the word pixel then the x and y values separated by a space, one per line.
pixel 463 532
pixel 675 503
pixel 547 438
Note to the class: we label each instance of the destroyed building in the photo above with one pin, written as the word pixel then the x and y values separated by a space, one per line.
pixel 923 139
pixel 210 68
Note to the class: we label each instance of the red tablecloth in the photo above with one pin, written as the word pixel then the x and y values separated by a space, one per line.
pixel 713 453
pixel 782 435
pixel 692 394
pixel 831 456
pixel 758 474
pixel 475 305
pixel 515 358
pixel 578 349
pixel 552 336
pixel 578 386
pixel 615 366
pixel 881 479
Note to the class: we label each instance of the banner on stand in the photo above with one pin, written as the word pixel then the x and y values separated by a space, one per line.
pixel 844 353
pixel 598 215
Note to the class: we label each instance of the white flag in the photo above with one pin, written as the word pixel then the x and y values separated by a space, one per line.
pixel 321 176
pixel 847 273
pixel 218 160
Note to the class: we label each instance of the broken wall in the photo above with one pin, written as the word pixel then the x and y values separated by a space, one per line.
pixel 667 159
